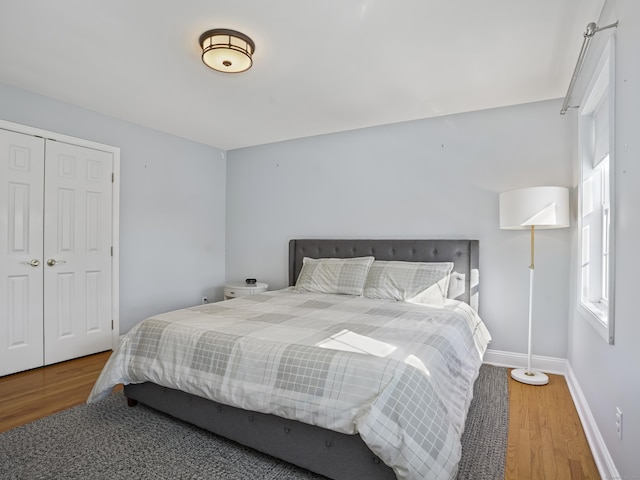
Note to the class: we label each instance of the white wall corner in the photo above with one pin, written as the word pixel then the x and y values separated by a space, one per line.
pixel 601 455
pixel 556 366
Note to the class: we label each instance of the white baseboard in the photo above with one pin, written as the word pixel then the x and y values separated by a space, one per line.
pixel 601 455
pixel 557 366
pixel 561 366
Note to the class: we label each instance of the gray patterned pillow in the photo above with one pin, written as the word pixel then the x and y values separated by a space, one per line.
pixel 416 282
pixel 333 275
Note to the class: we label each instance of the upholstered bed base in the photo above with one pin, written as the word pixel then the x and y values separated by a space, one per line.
pixel 335 455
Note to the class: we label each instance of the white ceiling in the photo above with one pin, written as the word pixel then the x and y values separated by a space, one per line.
pixel 320 66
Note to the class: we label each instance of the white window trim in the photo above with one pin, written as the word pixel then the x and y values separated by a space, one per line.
pixel 600 316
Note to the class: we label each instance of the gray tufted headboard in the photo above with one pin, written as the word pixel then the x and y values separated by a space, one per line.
pixel 463 253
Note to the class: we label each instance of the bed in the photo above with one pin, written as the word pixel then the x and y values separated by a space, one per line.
pixel 378 430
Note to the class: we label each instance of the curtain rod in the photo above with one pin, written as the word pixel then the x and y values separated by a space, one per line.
pixel 592 29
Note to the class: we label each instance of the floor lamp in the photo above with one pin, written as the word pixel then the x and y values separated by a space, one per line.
pixel 531 209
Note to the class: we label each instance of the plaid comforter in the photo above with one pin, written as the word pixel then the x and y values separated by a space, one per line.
pixel 401 375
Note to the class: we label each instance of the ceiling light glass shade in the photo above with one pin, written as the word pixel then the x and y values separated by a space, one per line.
pixel 227 50
pixel 541 207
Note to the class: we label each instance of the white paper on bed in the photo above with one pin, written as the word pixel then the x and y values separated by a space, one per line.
pixel 260 352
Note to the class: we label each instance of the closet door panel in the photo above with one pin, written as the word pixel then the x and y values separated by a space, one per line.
pixel 21 244
pixel 77 251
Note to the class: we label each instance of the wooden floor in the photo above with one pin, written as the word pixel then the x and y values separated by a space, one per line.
pixel 30 395
pixel 546 440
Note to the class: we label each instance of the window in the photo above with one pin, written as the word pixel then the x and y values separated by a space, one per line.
pixel 595 191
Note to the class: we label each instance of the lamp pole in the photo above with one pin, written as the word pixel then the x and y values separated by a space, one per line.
pixel 521 375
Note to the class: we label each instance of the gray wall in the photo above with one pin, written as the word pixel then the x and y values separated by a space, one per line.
pixel 423 179
pixel 609 375
pixel 172 205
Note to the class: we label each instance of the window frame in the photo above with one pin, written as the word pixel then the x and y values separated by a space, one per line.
pixel 600 314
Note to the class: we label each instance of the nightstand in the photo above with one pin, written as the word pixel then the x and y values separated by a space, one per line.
pixel 241 289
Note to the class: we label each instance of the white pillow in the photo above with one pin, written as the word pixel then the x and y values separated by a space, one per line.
pixel 333 275
pixel 415 282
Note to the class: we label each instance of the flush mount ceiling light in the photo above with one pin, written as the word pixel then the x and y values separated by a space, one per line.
pixel 226 50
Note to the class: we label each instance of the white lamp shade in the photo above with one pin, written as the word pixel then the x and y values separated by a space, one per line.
pixel 227 60
pixel 541 207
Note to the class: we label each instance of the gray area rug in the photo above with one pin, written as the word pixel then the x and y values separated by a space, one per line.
pixel 109 440
pixel 484 440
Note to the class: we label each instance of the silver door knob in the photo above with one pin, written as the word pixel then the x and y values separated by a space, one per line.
pixel 34 263
pixel 51 262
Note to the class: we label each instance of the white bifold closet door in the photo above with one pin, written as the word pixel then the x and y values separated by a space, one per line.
pixel 56 210
pixel 21 247
pixel 77 251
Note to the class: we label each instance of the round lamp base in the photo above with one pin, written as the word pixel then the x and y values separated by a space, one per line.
pixel 529 377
